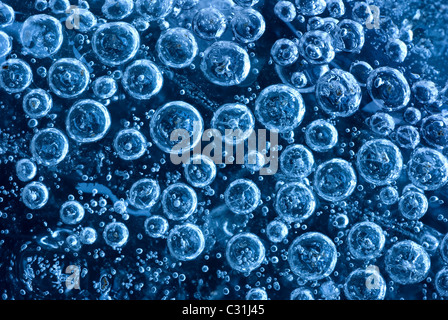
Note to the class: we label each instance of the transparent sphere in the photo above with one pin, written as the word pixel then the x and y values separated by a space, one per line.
pixel 280 108
pixel 116 234
pixel 379 162
pixel 311 7
pixel 407 137
pixel 257 294
pixel 441 281
pixel 185 242
pixel 35 195
pixel 153 10
pixel 242 196
pixel 248 25
pixel 365 284
pixel 388 88
pixel 115 43
pixel 144 193
pixel 296 161
pixel 412 115
pixel 59 6
pixel 350 36
pixel 360 70
pixel 209 23
pixel 176 117
pixel 407 262
pixel 389 195
pixel 104 87
pixel 316 47
pixel 82 20
pixel 294 202
pixel 335 180
pixel 254 160
pixel 321 135
pixel 117 9
pixel 284 52
pixel 336 8
pixel 301 294
pixel 68 77
pixel 88 235
pixel 361 12
pixel 156 226
pixel 246 3
pixel 428 169
pixel 41 35
pixel 285 10
pixel 366 240
pixel 434 130
pixel 276 231
pixel 87 121
pixel 225 63
pixel 312 256
pixel 71 212
pixel 235 119
pixel 396 50
pixel 177 47
pixel 15 75
pixel 37 103
pixel 425 91
pixel 382 123
pixel 200 171
pixel 338 93
pixel 130 144
pixel 179 201
pixel 26 170
pixel 5 44
pixel 444 248
pixel 49 146
pixel 245 252
pixel 7 15
pixel 142 79
pixel 413 205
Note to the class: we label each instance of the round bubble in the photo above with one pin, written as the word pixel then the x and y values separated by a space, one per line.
pixel 144 193
pixel 428 169
pixel 15 75
pixel 316 47
pixel 177 47
pixel 153 10
pixel 441 281
pixel 365 284
pixel 186 242
pixel 311 7
pixel 81 20
pixel 407 262
pixel 425 91
pixel 200 171
pixel 388 88
pixel 88 235
pixel 225 63
pixel 284 52
pixel 116 234
pixel 179 201
pixel 321 135
pixel 104 87
pixel 245 252
pixel 142 79
pixel 366 240
pixel 361 71
pixel 276 231
pixel 41 35
pixel 254 160
pixel 361 12
pixel 49 146
pixel 301 294
pixel 235 118
pixel 156 226
pixel 35 195
pixel 117 9
pixel 434 130
pixel 5 44
pixel 246 3
pixel 396 50
pixel 130 144
pixel 115 43
pixel 178 119
pixel 407 137
pixel 7 15
pixel 209 23
pixel 242 196
pixel 338 93
pixel 26 170
pixel 296 161
pixel 285 10
pixel 37 103
pixel 336 8
pixel 335 180
pixel 68 77
pixel 248 25
pixel 59 6
pixel 412 115
pixel 294 202
pixel 280 108
pixel 379 162
pixel 87 121
pixel 382 123
pixel 389 195
pixel 257 294
pixel 71 212
pixel 312 256
pixel 413 205
pixel 350 36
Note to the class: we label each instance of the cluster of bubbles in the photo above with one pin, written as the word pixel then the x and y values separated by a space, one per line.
pixel 91 94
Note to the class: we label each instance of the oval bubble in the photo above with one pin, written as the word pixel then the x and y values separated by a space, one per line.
pixel 144 193
pixel 186 242
pixel 68 78
pixel 35 195
pixel 130 144
pixel 142 79
pixel 71 212
pixel 15 75
pixel 294 202
pixel 179 201
pixel 245 252
pixel 242 196
pixel 366 240
pixel 116 234
pixel 37 103
pixel 49 146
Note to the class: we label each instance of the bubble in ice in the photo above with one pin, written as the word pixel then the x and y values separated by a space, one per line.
pixel 185 242
pixel 200 171
pixel 412 115
pixel 335 180
pixel 15 75
pixel 316 47
pixel 312 256
pixel 276 231
pixel 242 196
pixel 366 240
pixel 361 71
pixel 280 108
pixel 117 9
pixel 235 118
pixel 396 50
pixel 413 205
pixel 225 63
pixel 59 6
pixel 294 202
pixel 257 294
pixel 379 161
pixel 407 262
pixel 41 35
pixel 71 212
pixel 177 47
pixel 209 23
pixel 362 13
pixel 88 235
pixel 179 201
pixel 425 91
pixel 26 170
pixel 49 146
pixel 441 281
pixel 87 121
pixel 365 284
pixel 245 252
pixel 35 195
pixel 5 44
pixel 37 103
pixel 68 77
pixel 350 36
pixel 156 226
pixel 434 130
pixel 142 79
pixel 428 169
pixel 296 161
pixel 338 93
pixel 7 15
pixel 310 7
pixel 285 10
pixel 407 137
pixel 115 43
pixel 130 144
pixel 336 8
pixel 246 3
pixel 443 248
pixel 116 234
pixel 284 52
pixel 321 135
pixel 248 25
pixel 389 195
pixel 104 87
pixel 83 19
pixel 180 117
pixel 144 193
pixel 382 123
pixel 301 293
pixel 254 160
pixel 153 10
